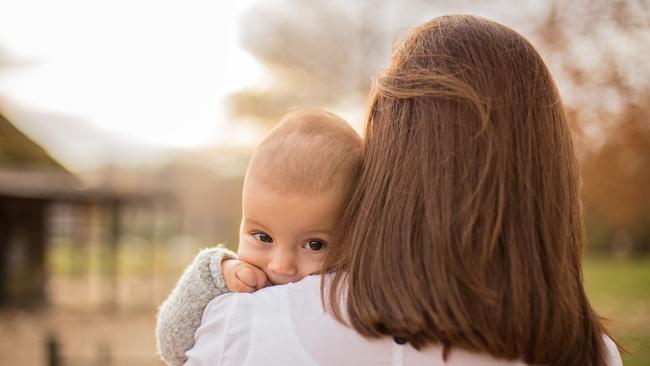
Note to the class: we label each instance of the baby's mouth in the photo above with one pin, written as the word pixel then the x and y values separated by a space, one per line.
pixel 279 280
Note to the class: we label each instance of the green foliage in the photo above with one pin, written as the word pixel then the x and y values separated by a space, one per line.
pixel 606 237
pixel 599 233
pixel 135 258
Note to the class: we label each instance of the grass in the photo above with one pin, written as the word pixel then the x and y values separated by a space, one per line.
pixel 132 259
pixel 620 291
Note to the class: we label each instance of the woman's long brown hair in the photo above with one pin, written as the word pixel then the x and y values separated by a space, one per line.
pixel 466 228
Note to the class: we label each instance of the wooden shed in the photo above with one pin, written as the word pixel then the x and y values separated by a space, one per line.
pixel 29 180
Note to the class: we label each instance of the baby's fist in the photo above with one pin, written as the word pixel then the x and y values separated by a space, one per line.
pixel 241 276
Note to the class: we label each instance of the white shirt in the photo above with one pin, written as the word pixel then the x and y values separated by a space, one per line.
pixel 287 325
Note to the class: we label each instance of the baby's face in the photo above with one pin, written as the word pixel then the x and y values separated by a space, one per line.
pixel 287 235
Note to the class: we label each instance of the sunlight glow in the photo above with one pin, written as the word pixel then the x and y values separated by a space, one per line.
pixel 152 71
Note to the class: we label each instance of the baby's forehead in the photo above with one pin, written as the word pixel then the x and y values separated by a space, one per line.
pixel 291 212
pixel 282 189
pixel 305 168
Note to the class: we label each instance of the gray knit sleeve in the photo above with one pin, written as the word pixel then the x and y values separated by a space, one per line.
pixel 180 314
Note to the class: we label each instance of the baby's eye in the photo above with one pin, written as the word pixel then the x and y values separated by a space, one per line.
pixel 263 237
pixel 314 245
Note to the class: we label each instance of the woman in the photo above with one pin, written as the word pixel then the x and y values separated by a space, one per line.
pixel 464 238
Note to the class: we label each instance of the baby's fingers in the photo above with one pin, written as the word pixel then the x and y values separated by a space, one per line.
pixel 262 279
pixel 248 276
pixel 253 277
pixel 240 286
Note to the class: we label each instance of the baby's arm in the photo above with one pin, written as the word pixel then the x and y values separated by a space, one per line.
pixel 214 272
pixel 180 314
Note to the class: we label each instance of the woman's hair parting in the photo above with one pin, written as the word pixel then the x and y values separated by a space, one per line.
pixel 466 227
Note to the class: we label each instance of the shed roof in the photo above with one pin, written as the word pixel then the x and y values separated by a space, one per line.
pixel 17 151
pixel 28 171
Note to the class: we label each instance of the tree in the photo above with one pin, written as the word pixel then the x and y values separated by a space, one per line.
pixel 317 53
pixel 326 54
pixel 600 48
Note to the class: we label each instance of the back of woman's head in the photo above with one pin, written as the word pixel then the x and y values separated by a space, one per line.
pixel 466 229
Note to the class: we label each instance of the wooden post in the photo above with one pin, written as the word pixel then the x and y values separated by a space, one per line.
pixel 53 351
pixel 113 242
pixel 104 357
pixel 4 254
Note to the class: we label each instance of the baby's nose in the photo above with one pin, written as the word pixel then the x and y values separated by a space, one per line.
pixel 284 263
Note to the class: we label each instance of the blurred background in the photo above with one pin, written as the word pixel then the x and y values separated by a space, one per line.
pixel 126 126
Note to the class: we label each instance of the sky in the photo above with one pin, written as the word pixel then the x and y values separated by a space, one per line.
pixel 142 72
pixel 127 82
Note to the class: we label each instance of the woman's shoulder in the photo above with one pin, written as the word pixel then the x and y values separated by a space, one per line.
pixel 272 302
pixel 291 318
pixel 613 356
pixel 307 288
pixel 287 316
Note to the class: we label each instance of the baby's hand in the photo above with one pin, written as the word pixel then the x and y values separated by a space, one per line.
pixel 241 276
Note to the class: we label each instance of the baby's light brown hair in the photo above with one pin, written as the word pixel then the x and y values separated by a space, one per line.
pixel 310 152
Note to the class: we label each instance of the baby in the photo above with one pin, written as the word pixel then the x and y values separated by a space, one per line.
pixel 296 187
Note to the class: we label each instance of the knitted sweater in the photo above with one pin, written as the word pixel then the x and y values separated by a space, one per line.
pixel 180 314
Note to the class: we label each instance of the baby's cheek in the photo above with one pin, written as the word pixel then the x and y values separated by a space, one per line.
pixel 313 265
pixel 251 254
